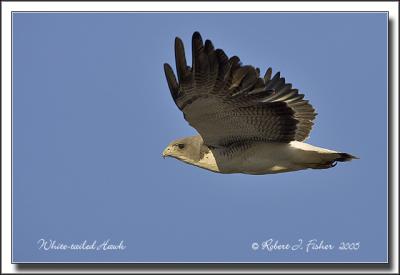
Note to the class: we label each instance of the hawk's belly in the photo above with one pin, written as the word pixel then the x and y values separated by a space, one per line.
pixel 268 158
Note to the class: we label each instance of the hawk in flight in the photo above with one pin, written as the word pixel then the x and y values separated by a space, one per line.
pixel 246 123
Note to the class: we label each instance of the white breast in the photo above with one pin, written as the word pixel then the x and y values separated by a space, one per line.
pixel 265 158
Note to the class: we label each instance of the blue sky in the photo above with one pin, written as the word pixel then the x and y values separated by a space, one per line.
pixel 92 114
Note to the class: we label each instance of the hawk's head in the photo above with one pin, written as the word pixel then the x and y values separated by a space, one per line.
pixel 185 149
pixel 192 150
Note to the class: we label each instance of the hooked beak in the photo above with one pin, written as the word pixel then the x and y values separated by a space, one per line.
pixel 165 153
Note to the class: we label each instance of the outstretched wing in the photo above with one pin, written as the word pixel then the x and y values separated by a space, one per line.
pixel 227 102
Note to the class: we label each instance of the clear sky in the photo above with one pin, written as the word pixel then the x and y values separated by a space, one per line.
pixel 92 113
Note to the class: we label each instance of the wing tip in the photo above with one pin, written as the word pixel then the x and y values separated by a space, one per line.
pixel 196 35
pixel 178 41
pixel 171 80
pixel 166 66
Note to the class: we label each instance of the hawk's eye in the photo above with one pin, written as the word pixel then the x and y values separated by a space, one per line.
pixel 181 146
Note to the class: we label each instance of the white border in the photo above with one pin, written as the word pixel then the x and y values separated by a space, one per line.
pixel 200 6
pixel 8 7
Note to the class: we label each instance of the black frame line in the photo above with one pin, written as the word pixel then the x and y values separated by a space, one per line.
pixel 220 266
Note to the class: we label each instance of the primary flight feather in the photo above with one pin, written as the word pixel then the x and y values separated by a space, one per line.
pixel 247 123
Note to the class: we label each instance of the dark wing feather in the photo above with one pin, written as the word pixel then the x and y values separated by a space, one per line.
pixel 227 102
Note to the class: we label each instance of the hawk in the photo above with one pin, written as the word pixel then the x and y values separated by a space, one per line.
pixel 246 123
